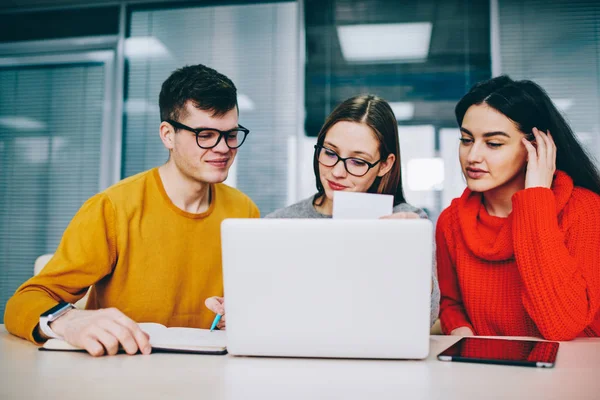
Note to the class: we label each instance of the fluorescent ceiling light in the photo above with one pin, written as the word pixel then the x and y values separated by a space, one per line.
pixel 101 56
pixel 140 106
pixel 403 110
pixel 425 174
pixel 9 61
pixel 407 42
pixel 33 149
pixel 563 104
pixel 245 103
pixel 145 47
pixel 22 123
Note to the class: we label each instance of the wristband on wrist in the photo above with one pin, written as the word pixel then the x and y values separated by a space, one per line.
pixel 52 315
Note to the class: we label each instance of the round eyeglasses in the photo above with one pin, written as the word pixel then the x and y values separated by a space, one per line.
pixel 207 138
pixel 354 166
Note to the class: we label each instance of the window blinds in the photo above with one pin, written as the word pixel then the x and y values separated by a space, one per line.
pixel 254 45
pixel 50 131
pixel 557 44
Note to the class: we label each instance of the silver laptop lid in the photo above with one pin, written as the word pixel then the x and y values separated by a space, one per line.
pixel 327 288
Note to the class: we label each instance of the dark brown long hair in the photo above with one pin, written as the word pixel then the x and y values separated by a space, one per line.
pixel 528 106
pixel 377 114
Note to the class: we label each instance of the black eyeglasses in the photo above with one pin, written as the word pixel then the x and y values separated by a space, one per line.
pixel 355 166
pixel 207 138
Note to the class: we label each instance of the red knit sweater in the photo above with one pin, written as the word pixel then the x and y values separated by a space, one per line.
pixel 534 273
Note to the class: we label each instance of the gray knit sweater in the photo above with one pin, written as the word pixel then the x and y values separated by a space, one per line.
pixel 306 209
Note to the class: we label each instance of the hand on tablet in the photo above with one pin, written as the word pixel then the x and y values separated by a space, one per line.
pixel 216 304
pixel 462 331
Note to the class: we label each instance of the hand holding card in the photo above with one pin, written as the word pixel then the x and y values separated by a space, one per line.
pixel 353 205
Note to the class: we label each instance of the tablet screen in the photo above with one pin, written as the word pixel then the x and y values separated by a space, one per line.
pixel 501 351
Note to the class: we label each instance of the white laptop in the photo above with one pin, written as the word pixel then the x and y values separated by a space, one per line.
pixel 327 288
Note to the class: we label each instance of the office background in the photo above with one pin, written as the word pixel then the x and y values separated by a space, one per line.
pixel 79 84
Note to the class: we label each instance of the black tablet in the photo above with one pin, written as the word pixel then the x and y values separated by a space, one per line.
pixel 527 353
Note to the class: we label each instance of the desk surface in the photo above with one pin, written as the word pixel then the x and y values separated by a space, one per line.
pixel 27 373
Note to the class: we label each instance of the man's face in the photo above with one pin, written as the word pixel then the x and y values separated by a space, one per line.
pixel 198 164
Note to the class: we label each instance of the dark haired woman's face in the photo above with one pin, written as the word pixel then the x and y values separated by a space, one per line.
pixel 352 139
pixel 491 153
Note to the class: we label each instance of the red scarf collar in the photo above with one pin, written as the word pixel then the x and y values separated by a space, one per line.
pixel 476 224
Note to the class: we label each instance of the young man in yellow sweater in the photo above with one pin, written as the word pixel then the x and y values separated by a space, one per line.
pixel 150 245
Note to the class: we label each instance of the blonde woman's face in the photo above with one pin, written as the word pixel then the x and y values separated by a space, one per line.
pixel 356 140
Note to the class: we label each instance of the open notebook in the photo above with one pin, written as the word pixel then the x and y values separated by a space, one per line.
pixel 171 340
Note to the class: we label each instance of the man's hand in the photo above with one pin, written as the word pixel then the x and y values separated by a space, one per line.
pixel 216 304
pixel 101 332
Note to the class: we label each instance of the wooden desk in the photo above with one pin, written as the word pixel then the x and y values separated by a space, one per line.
pixel 27 373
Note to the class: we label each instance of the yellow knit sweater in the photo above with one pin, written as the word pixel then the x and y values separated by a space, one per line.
pixel 139 252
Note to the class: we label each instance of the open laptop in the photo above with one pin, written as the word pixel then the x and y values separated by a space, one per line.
pixel 327 288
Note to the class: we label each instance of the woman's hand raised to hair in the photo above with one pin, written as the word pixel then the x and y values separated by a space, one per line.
pixel 402 215
pixel 541 161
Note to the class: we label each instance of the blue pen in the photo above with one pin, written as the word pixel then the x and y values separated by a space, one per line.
pixel 215 322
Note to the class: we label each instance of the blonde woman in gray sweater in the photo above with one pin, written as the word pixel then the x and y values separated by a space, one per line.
pixel 357 150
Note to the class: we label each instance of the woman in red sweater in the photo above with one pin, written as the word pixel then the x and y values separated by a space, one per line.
pixel 519 252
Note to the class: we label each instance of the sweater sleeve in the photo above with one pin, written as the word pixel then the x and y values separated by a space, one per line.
pixel 452 312
pixel 560 271
pixel 86 253
pixel 254 211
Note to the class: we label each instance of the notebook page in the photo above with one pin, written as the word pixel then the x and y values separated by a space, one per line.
pixel 184 337
pixel 59 344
